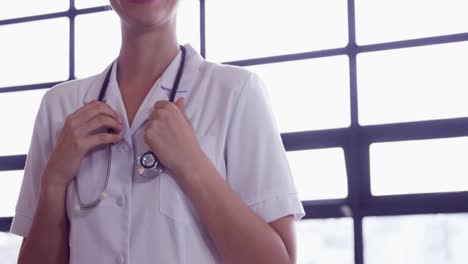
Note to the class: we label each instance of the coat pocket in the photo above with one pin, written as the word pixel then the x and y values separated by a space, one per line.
pixel 173 202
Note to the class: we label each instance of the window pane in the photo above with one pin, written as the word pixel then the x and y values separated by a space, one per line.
pixel 188 23
pixel 413 84
pixel 420 166
pixel 319 173
pixel 246 29
pixel 23 8
pixel 90 3
pixel 10 184
pixel 308 94
pixel 34 52
pixel 9 248
pixel 325 241
pixel 375 20
pixel 428 239
pixel 98 37
pixel 15 137
pixel 97 42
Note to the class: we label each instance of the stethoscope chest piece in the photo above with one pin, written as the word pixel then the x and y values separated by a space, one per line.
pixel 148 165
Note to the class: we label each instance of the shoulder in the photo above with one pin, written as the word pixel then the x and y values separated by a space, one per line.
pixel 63 99
pixel 228 73
pixel 232 79
pixel 69 92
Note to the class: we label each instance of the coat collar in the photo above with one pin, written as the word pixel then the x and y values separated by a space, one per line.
pixel 160 91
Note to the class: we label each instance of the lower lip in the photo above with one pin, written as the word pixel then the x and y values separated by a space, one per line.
pixel 142 1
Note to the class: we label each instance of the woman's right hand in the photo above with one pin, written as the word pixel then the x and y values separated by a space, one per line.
pixel 84 130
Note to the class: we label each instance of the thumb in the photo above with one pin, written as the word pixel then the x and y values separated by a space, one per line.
pixel 181 105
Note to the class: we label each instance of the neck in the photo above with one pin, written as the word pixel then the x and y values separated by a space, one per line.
pixel 145 54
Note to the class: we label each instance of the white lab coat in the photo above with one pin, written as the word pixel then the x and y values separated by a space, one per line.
pixel 152 221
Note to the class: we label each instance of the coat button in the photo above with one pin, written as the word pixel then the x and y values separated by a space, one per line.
pixel 126 148
pixel 123 146
pixel 120 201
pixel 120 259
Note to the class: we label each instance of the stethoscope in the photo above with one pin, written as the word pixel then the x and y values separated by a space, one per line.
pixel 148 164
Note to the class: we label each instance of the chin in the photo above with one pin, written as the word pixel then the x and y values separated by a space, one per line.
pixel 145 13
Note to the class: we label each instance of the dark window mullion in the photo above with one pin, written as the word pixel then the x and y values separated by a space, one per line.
pixel 410 204
pixel 72 40
pixel 353 155
pixel 355 166
pixel 28 87
pixel 12 162
pixel 34 18
pixel 432 129
pixel 316 139
pixel 202 28
pixel 5 223
pixel 320 209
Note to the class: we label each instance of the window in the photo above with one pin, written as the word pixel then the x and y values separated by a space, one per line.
pixel 429 239
pixel 325 241
pixel 421 166
pixel 413 84
pixel 319 173
pixel 10 183
pixel 97 42
pixel 22 106
pixel 245 29
pixel 45 61
pixel 308 94
pixel 370 99
pixel 9 247
pixel 385 21
pixel 80 4
pixel 23 8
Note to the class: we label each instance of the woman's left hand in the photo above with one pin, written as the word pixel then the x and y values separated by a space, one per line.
pixel 170 135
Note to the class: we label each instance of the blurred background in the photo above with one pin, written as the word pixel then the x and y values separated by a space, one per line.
pixel 371 98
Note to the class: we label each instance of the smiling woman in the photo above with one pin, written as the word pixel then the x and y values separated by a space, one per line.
pixel 225 192
pixel 333 71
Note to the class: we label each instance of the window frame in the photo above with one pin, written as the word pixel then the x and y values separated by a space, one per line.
pixel 355 139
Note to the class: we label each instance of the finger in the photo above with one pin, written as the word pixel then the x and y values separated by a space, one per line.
pixel 161 104
pixel 86 107
pixel 94 109
pixel 154 115
pixel 101 108
pixel 99 122
pixel 161 107
pixel 160 115
pixel 181 105
pixel 100 139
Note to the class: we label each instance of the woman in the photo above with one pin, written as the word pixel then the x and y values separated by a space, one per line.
pixel 226 194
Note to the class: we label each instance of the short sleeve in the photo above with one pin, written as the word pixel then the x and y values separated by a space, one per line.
pixel 36 160
pixel 256 164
